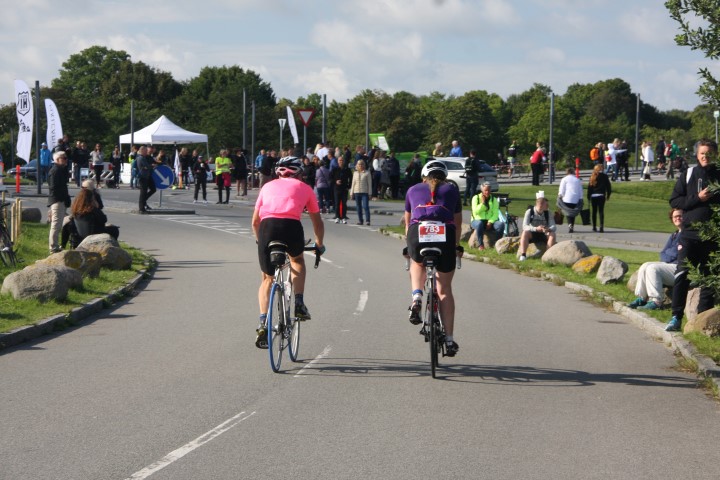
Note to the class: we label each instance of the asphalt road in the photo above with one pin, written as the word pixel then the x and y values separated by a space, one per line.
pixel 169 384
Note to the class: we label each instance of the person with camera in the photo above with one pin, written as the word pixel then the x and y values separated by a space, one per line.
pixel 538 225
pixel 485 214
pixel 696 194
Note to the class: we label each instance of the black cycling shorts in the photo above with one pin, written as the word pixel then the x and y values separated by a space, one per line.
pixel 447 258
pixel 285 230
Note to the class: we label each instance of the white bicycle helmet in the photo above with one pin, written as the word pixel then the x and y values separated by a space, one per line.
pixel 288 167
pixel 435 166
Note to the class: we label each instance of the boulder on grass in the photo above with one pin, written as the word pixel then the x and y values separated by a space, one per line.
pixel 88 263
pixel 31 214
pixel 707 322
pixel 587 265
pixel 113 257
pixel 566 253
pixel 507 245
pixel 611 270
pixel 42 282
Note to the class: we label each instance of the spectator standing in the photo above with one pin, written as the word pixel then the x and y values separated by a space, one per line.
pixel 267 168
pixel 45 161
pixel 599 190
pixel 186 163
pixel 660 153
pixel 455 151
pixel 117 159
pixel 308 174
pixel 393 166
pixel 133 167
pixel 613 150
pixel 341 180
pixel 674 155
pixel 240 172
pixel 80 159
pixel 145 167
pixel 472 169
pixel 536 163
pixel 538 225
pixel 693 196
pixel 377 164
pixel 200 171
pixel 58 198
pixel 596 153
pixel 322 185
pixel 570 197
pixel 360 189
pixel 98 164
pixel 223 166
pixel 485 214
pixel 511 156
pixel 652 277
pixel 647 154
pixel 437 151
pixel 413 172
pixel 622 158
pixel 384 188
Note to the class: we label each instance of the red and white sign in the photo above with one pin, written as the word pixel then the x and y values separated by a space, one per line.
pixel 306 115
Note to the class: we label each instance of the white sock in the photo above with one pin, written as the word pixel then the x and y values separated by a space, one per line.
pixel 448 339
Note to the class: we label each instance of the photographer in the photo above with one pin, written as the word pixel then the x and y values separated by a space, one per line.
pixel 485 214
pixel 693 194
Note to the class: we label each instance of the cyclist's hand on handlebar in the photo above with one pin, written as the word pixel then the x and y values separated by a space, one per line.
pixel 320 249
pixel 460 250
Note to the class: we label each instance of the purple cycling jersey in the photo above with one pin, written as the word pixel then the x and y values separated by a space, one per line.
pixel 447 203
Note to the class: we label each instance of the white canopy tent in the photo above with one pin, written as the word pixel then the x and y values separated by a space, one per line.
pixel 163 131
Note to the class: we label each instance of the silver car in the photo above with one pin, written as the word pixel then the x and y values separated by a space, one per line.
pixel 456 173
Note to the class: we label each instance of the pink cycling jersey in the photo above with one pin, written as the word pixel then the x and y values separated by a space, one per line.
pixel 286 198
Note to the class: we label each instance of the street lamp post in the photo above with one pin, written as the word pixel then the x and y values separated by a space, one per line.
pixel 716 114
pixel 281 121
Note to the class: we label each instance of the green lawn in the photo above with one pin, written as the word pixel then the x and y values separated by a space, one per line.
pixel 32 246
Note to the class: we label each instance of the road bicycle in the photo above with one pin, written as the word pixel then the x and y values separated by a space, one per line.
pixel 432 329
pixel 7 253
pixel 283 329
pixel 511 226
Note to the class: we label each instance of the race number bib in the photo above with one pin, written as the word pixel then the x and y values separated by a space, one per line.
pixel 431 232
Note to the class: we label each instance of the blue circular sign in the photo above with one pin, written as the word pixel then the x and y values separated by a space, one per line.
pixel 163 177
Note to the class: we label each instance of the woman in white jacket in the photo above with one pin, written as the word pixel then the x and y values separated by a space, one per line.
pixel 648 157
pixel 360 190
pixel 613 150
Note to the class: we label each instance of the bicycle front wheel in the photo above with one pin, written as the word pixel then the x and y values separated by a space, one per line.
pixel 276 326
pixel 7 254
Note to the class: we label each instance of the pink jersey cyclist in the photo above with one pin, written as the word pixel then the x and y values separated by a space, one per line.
pixel 286 198
pixel 277 215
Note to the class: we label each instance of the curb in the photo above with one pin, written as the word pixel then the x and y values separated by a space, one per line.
pixel 705 365
pixel 62 321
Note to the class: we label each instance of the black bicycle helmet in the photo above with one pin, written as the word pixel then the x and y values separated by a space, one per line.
pixel 435 166
pixel 288 167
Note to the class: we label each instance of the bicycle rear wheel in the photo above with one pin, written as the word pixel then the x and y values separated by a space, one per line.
pixel 430 309
pixel 7 254
pixel 276 326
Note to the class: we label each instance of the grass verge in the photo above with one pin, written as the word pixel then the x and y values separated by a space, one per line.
pixel 32 246
pixel 617 291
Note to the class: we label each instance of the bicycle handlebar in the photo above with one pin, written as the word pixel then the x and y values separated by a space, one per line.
pixel 318 252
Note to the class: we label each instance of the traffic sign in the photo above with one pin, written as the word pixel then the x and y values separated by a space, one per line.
pixel 306 115
pixel 163 177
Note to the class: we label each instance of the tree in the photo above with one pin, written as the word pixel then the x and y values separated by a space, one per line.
pixel 704 37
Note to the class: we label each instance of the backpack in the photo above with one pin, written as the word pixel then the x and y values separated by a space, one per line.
pixel 594 154
pixel 512 151
pixel 532 214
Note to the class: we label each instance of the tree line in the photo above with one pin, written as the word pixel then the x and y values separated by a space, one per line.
pixel 94 89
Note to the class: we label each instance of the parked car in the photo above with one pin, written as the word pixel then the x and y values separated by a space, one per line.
pixel 456 173
pixel 29 170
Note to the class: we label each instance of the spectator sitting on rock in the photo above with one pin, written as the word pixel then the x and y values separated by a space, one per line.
pixel 538 225
pixel 654 276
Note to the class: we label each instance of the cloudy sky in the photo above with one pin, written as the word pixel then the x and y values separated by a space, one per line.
pixel 340 47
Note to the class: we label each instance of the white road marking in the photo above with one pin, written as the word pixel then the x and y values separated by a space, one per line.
pixel 361 303
pixel 176 455
pixel 324 354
